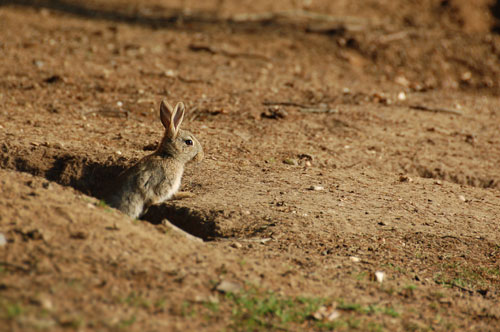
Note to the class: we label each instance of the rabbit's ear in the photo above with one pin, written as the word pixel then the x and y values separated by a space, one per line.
pixel 176 120
pixel 166 111
pixel 178 115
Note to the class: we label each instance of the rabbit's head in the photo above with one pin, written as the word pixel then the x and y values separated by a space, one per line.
pixel 177 143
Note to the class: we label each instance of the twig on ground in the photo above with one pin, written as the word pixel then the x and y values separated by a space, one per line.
pixel 111 113
pixel 259 240
pixel 319 110
pixel 470 291
pixel 215 50
pixel 303 108
pixel 434 110
pixel 285 103
pixel 296 14
pixel 394 36
pixel 451 237
pixel 336 23
pixel 14 266
pixel 192 80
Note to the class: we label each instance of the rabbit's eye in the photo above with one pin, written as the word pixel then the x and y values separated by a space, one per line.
pixel 188 142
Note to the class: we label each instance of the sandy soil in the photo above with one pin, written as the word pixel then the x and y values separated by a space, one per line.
pixel 343 142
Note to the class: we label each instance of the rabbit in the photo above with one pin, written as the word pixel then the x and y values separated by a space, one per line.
pixel 157 177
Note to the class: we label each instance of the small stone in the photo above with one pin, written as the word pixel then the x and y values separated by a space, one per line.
pixel 466 76
pixel 401 96
pixel 401 80
pixel 46 303
pixel 316 188
pixel 355 259
pixel 236 245
pixel 170 73
pixel 379 276
pixel 404 178
pixel 462 198
pixel 329 313
pixel 118 152
pixel 275 112
pixel 79 235
pixel 38 63
pixel 290 161
pixel 263 241
pixel 119 104
pixel 228 287
pixel 3 240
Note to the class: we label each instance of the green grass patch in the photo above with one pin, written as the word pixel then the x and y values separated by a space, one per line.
pixel 137 301
pixel 103 205
pixel 253 310
pixel 368 309
pixel 256 310
pixel 12 310
pixel 126 323
pixel 476 277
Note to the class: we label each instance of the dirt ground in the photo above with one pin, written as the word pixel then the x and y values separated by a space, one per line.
pixel 351 178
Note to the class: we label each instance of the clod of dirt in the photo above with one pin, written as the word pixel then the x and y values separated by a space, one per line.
pixel 328 313
pixel 53 79
pixel 275 112
pixel 3 240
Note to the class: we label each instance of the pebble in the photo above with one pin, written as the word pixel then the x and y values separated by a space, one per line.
pixel 170 73
pixel 401 96
pixel 316 188
pixel 290 161
pixel 379 276
pixel 355 259
pixel 404 178
pixel 328 313
pixel 236 245
pixel 38 63
pixel 462 198
pixel 228 287
pixel 3 240
pixel 401 80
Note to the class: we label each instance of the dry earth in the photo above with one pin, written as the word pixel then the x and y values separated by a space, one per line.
pixel 341 139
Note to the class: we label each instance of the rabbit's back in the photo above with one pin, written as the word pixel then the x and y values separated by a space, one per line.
pixel 151 181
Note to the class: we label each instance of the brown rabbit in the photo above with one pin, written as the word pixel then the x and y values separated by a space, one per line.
pixel 157 177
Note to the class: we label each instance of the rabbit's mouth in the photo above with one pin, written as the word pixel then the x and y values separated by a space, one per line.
pixel 199 157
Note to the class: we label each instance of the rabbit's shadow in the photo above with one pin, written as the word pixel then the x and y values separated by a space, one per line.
pixel 192 221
